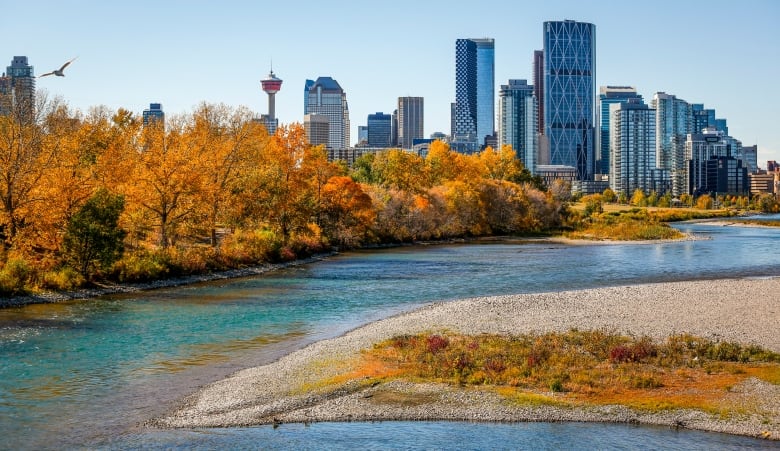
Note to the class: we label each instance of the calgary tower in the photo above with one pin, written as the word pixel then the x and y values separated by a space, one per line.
pixel 271 86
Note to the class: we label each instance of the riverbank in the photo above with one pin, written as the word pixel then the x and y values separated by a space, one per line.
pixel 105 289
pixel 296 387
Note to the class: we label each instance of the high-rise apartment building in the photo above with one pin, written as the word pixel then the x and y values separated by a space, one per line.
pixel 569 94
pixel 380 130
pixel 632 145
pixel 411 124
pixel 702 117
pixel 17 87
pixel 517 121
pixel 327 98
pixel 609 95
pixel 673 123
pixel 474 93
pixel 154 114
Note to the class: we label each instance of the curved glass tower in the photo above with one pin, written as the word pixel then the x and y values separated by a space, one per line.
pixel 569 94
pixel 474 93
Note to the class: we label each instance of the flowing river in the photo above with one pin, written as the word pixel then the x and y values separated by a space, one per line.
pixel 87 374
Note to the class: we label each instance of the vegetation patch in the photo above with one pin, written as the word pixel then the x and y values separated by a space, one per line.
pixel 574 368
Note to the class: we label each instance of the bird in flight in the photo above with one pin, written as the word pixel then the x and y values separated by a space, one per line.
pixel 58 72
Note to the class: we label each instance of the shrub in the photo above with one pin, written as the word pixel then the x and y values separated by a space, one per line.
pixel 15 277
pixel 145 266
pixel 65 278
pixel 436 343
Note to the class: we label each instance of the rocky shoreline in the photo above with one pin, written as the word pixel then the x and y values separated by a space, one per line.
pixel 111 288
pixel 292 389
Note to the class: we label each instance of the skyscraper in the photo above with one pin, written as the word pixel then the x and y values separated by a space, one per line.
pixel 539 87
pixel 607 96
pixel 326 97
pixel 411 113
pixel 672 124
pixel 380 127
pixel 702 117
pixel 474 93
pixel 154 114
pixel 569 94
pixel 517 121
pixel 632 143
pixel 316 128
pixel 17 87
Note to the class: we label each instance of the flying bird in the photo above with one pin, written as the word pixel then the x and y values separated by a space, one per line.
pixel 58 72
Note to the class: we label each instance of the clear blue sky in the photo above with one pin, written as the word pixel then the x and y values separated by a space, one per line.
pixel 724 54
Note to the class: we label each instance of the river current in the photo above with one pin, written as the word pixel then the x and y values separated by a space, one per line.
pixel 87 374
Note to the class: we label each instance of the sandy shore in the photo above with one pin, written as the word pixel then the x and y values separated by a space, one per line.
pixel 291 389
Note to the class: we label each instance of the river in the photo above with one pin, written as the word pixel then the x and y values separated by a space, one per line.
pixel 88 373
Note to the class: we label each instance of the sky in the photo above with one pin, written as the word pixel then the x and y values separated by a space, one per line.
pixel 722 53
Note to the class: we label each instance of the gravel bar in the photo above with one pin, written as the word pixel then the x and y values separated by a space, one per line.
pixel 291 389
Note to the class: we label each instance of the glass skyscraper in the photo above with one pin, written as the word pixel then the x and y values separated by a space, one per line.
pixel 17 87
pixel 326 97
pixel 607 96
pixel 517 123
pixel 380 130
pixel 474 93
pixel 673 123
pixel 569 94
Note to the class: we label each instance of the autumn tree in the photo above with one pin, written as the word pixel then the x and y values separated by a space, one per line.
pixel 27 152
pixel 347 211
pixel 401 170
pixel 283 189
pixel 229 142
pixel 167 179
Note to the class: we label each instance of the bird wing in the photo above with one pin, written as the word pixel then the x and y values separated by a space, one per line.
pixel 43 75
pixel 66 64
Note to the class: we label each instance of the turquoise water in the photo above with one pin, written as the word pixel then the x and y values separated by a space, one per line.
pixel 87 373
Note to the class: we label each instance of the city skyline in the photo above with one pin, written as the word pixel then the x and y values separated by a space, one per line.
pixel 727 64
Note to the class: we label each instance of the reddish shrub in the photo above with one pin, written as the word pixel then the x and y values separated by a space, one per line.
pixel 436 343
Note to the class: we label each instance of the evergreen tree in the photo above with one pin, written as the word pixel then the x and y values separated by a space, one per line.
pixel 93 239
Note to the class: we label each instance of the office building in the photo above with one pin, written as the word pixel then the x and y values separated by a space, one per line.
pixel 700 148
pixel 411 124
pixel 306 87
pixel 632 145
pixel 326 97
pixel 517 121
pixel 607 96
pixel 750 158
pixel 380 128
pixel 474 93
pixel 317 128
pixel 17 87
pixel 154 114
pixel 569 94
pixel 362 135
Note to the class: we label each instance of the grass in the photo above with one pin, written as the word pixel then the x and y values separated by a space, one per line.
pixel 573 368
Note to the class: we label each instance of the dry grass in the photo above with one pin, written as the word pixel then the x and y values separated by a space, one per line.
pixel 590 367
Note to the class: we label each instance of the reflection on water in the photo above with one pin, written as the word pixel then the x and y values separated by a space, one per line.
pixel 211 353
pixel 80 372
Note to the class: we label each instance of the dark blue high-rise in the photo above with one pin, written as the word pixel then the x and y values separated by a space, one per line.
pixel 569 94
